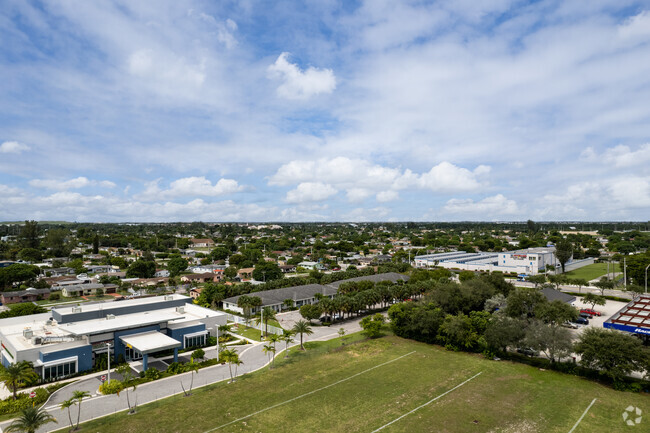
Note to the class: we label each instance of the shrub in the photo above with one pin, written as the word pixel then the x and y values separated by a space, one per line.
pixel 113 387
pixel 152 373
pixel 54 297
pixel 198 354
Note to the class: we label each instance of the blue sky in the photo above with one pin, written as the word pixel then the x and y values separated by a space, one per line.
pixel 324 110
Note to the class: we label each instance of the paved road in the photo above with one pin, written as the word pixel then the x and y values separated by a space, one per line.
pixel 100 405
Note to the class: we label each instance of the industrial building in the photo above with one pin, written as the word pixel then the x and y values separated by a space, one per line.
pixel 529 261
pixel 67 340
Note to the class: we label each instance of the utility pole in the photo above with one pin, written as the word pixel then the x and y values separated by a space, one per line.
pixel 261 321
pixel 646 278
pixel 625 272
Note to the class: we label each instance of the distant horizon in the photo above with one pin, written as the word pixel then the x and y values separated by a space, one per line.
pixel 358 110
pixel 330 222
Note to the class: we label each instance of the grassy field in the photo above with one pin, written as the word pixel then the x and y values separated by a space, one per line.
pixel 591 272
pixel 371 383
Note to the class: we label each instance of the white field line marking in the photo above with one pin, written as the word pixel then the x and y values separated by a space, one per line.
pixel 583 415
pixel 309 393
pixel 427 403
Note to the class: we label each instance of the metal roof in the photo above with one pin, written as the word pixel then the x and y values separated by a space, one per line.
pixel 148 342
pixel 634 317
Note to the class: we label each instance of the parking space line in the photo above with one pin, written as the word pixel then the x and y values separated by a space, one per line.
pixel 427 403
pixel 309 393
pixel 583 415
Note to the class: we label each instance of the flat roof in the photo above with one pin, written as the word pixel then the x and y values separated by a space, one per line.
pixel 148 342
pixel 106 306
pixel 634 317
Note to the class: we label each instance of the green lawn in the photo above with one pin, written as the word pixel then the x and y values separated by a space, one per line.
pixel 252 333
pixel 505 397
pixel 591 272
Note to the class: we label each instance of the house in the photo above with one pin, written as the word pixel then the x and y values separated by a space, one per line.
pixel 245 273
pixel 200 278
pixel 201 243
pixel 308 265
pixel 95 269
pixel 59 272
pixel 161 273
pixel 200 269
pixel 81 289
pixel 287 268
pixel 149 282
pixel 195 292
pixel 29 295
pixel 306 294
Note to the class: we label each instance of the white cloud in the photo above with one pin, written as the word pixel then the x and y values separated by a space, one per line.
pixel 76 183
pixel 13 147
pixel 189 187
pixel 486 208
pixel 636 26
pixel 6 190
pixel 300 84
pixel 624 156
pixel 360 178
pixel 386 196
pixel 309 192
pixel 446 177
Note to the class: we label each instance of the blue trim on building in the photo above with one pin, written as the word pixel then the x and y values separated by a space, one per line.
pixel 627 328
pixel 179 333
pixel 120 348
pixel 84 356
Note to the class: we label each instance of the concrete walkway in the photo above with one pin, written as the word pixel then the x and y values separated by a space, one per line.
pixel 101 405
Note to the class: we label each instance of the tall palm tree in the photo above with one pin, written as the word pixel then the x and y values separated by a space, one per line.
pixel 287 337
pixel 302 327
pixel 79 396
pixel 16 375
pixel 269 313
pixel 232 358
pixel 30 420
pixel 67 405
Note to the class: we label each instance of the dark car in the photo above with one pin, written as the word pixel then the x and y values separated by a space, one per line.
pixel 586 316
pixel 581 321
pixel 325 318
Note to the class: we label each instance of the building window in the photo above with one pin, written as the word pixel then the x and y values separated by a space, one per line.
pixel 197 340
pixel 60 370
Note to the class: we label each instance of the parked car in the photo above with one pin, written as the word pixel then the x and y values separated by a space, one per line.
pixel 325 319
pixel 527 351
pixel 586 316
pixel 581 321
pixel 570 325
pixel 590 311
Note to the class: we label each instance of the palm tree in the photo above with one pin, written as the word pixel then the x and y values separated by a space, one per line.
pixel 79 396
pixel 232 358
pixel 30 420
pixel 194 368
pixel 269 313
pixel 67 405
pixel 287 337
pixel 270 351
pixel 302 327
pixel 16 374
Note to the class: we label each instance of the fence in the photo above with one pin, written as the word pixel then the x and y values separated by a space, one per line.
pixel 253 324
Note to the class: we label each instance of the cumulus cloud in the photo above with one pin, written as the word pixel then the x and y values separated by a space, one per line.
pixel 299 84
pixel 489 206
pixel 636 26
pixel 307 192
pixel 76 183
pixel 361 179
pixel 190 187
pixel 13 147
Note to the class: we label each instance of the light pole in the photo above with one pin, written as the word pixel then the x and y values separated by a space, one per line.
pixel 108 353
pixel 646 278
pixel 261 321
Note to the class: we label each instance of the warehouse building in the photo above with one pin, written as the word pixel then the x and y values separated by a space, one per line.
pixel 529 261
pixel 67 340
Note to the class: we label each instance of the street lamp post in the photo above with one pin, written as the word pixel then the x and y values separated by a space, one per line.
pixel 261 322
pixel 646 278
pixel 108 353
